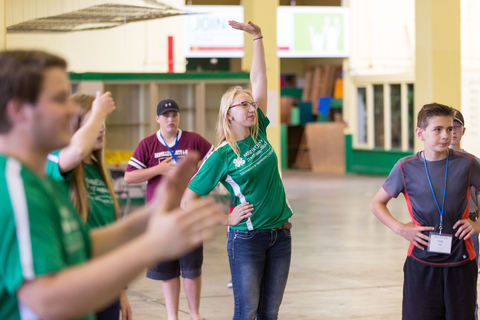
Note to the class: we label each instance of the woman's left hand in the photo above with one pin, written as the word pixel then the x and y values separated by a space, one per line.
pixel 248 27
pixel 125 307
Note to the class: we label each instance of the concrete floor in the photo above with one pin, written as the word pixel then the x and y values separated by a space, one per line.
pixel 345 263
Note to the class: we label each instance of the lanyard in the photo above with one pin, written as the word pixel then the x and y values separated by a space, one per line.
pixel 175 148
pixel 433 192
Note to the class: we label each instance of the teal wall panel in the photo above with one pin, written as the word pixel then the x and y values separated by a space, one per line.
pixel 215 75
pixel 375 161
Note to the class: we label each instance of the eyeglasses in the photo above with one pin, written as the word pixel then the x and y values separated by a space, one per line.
pixel 246 105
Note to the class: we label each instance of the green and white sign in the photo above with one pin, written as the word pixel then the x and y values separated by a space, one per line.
pixel 304 31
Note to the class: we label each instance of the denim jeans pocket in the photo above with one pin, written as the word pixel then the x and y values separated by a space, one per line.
pixel 244 235
pixel 288 232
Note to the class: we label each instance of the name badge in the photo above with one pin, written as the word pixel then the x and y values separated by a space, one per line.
pixel 440 243
pixel 171 161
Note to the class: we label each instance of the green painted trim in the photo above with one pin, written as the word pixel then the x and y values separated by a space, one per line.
pixel 293 92
pixel 215 75
pixel 336 103
pixel 322 118
pixel 374 161
pixel 295 118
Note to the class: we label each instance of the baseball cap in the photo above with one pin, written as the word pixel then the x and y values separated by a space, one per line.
pixel 167 105
pixel 459 117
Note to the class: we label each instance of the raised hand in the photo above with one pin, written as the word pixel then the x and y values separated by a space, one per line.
pixel 180 231
pixel 248 27
pixel 103 104
pixel 170 191
pixel 176 231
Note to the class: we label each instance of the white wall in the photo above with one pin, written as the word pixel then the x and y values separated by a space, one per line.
pixel 383 44
pixel 382 48
pixel 470 42
pixel 135 47
pixel 383 36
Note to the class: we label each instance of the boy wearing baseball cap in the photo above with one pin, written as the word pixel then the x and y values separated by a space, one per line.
pixel 457 134
pixel 155 157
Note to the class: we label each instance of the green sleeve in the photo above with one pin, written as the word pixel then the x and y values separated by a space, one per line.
pixel 53 170
pixel 211 172
pixel 10 266
pixel 31 246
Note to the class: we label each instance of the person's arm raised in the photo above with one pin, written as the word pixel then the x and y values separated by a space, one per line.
pixel 171 188
pixel 78 290
pixel 85 137
pixel 188 197
pixel 258 72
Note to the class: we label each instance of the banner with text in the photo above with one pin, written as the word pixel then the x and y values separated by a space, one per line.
pixel 208 35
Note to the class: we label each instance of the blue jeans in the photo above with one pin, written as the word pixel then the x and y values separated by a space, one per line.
pixel 259 263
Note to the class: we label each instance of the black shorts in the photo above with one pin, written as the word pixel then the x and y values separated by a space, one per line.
pixel 112 312
pixel 431 292
pixel 190 266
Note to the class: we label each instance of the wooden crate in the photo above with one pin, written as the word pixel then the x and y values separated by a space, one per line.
pixel 325 145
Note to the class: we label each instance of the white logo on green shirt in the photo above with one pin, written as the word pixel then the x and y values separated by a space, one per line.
pixel 69 225
pixel 97 190
pixel 238 162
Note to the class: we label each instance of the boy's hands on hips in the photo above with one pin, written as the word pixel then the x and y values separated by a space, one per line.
pixel 466 228
pixel 413 233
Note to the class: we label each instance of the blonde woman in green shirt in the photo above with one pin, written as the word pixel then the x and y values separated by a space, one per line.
pixel 259 238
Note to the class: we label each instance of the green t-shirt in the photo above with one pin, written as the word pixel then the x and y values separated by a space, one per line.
pixel 53 171
pixel 253 178
pixel 40 233
pixel 100 202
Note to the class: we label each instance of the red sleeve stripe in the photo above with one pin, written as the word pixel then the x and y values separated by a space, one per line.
pixel 461 155
pixel 390 192
pixel 409 204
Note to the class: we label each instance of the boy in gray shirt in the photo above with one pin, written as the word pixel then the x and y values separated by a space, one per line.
pixel 440 271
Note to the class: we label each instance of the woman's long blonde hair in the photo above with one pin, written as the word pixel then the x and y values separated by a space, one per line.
pixel 224 129
pixel 77 182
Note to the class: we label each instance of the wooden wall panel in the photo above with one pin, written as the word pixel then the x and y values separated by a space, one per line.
pixel 326 146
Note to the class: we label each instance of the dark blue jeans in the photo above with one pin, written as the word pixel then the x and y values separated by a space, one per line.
pixel 259 263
